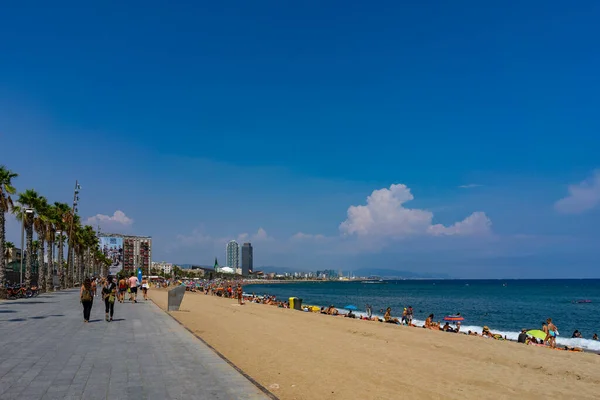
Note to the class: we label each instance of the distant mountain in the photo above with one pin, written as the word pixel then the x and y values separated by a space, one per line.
pixel 392 273
pixel 381 272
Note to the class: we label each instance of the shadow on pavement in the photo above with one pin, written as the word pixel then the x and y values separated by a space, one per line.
pixel 28 302
pixel 7 311
pixel 36 317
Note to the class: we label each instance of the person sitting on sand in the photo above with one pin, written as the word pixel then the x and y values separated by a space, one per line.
pixel 486 332
pixel 350 315
pixel 522 336
pixel 388 317
pixel 429 324
pixel 331 310
pixel 447 328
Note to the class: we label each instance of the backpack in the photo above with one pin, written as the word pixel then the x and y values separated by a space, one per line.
pixel 86 295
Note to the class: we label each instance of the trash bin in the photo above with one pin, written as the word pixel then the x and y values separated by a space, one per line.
pixel 295 303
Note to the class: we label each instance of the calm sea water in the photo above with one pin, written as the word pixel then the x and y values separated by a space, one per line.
pixel 506 306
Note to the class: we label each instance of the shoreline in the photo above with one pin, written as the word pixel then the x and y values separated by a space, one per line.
pixel 300 355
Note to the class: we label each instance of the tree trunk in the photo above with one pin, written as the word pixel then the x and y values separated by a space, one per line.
pixel 69 260
pixel 50 269
pixel 70 270
pixel 29 241
pixel 41 281
pixel 60 268
pixel 2 258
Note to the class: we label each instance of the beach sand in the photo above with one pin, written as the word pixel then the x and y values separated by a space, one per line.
pixel 307 356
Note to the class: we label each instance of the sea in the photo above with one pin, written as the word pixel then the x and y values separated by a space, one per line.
pixel 505 306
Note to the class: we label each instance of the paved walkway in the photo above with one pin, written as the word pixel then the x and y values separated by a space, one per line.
pixel 49 353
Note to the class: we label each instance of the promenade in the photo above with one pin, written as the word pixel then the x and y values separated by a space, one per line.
pixel 48 352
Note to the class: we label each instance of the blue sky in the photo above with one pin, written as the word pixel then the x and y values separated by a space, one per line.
pixel 198 123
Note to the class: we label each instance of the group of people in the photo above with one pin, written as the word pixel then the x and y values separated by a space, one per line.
pixel 579 335
pixel 110 293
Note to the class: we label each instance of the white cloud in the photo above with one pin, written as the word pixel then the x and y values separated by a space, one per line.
pixel 118 218
pixel 260 236
pixel 470 186
pixel 384 215
pixel 582 197
pixel 195 238
pixel 307 236
pixel 475 224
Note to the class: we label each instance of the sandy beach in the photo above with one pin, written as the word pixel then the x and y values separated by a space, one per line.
pixel 307 356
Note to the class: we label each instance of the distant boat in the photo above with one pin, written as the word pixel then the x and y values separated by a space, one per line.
pixel 582 301
pixel 373 280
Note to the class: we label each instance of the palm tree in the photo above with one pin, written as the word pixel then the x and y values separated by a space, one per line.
pixel 40 220
pixel 35 246
pixel 74 225
pixel 62 215
pixel 51 218
pixel 6 204
pixel 27 200
pixel 90 243
pixel 8 247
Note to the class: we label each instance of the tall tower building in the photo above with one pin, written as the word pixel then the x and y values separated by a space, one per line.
pixel 247 256
pixel 232 255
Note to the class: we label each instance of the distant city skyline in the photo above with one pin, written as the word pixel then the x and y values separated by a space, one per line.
pixel 427 138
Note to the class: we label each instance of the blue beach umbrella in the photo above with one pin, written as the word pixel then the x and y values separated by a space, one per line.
pixel 351 307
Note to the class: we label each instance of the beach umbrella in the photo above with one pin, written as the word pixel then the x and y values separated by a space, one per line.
pixel 453 318
pixel 351 307
pixel 536 333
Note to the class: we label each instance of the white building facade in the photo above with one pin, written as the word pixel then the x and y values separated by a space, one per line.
pixel 232 255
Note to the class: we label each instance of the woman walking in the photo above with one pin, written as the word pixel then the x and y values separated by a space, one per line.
pixel 86 298
pixel 109 294
pixel 145 287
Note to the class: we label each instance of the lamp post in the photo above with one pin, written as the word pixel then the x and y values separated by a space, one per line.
pixel 27 212
pixel 70 267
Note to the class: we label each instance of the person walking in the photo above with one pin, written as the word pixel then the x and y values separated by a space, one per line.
pixel 122 288
pixel 94 286
pixel 145 287
pixel 109 294
pixel 133 284
pixel 87 299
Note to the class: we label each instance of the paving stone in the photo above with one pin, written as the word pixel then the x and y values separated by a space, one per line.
pixel 143 354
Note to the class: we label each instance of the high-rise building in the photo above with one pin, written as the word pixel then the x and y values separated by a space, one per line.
pixel 136 252
pixel 232 255
pixel 247 259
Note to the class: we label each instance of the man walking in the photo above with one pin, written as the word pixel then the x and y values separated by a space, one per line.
pixel 133 284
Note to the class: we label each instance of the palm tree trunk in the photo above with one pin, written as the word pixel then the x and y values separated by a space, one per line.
pixel 41 265
pixel 70 270
pixel 50 269
pixel 29 241
pixel 2 258
pixel 60 268
pixel 70 260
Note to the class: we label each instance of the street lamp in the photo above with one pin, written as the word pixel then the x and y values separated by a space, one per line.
pixel 27 212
